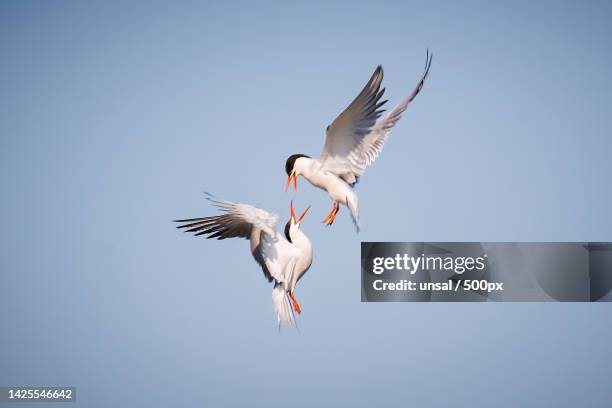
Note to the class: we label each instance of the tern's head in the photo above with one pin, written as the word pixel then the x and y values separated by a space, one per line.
pixel 293 225
pixel 293 167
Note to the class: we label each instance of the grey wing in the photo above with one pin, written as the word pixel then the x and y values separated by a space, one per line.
pixel 279 256
pixel 354 123
pixel 257 247
pixel 238 221
pixel 355 140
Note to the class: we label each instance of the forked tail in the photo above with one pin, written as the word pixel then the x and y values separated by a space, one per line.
pixel 282 306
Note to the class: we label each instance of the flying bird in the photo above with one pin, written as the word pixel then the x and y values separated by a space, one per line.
pixel 353 141
pixel 283 259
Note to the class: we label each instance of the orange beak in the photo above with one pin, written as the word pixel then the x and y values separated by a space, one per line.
pixel 303 214
pixel 298 220
pixel 293 177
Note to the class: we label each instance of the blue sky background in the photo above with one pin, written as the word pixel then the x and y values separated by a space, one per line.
pixel 115 117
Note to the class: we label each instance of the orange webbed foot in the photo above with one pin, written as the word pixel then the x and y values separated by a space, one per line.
pixel 332 215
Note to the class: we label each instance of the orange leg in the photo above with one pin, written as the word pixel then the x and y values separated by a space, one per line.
pixel 296 307
pixel 332 215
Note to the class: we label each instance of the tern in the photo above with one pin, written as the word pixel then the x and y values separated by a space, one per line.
pixel 283 259
pixel 353 141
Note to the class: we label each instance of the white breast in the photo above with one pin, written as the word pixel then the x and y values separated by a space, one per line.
pixel 337 188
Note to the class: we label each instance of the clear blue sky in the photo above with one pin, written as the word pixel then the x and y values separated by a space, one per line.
pixel 115 117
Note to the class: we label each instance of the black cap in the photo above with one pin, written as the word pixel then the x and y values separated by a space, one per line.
pixel 291 162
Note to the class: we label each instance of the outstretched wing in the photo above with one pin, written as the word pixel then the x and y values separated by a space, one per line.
pixel 237 221
pixel 356 138
pixel 354 123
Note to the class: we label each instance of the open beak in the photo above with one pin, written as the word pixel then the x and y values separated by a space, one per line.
pixel 297 221
pixel 293 177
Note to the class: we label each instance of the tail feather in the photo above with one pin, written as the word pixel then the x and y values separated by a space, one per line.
pixel 282 306
pixel 353 205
